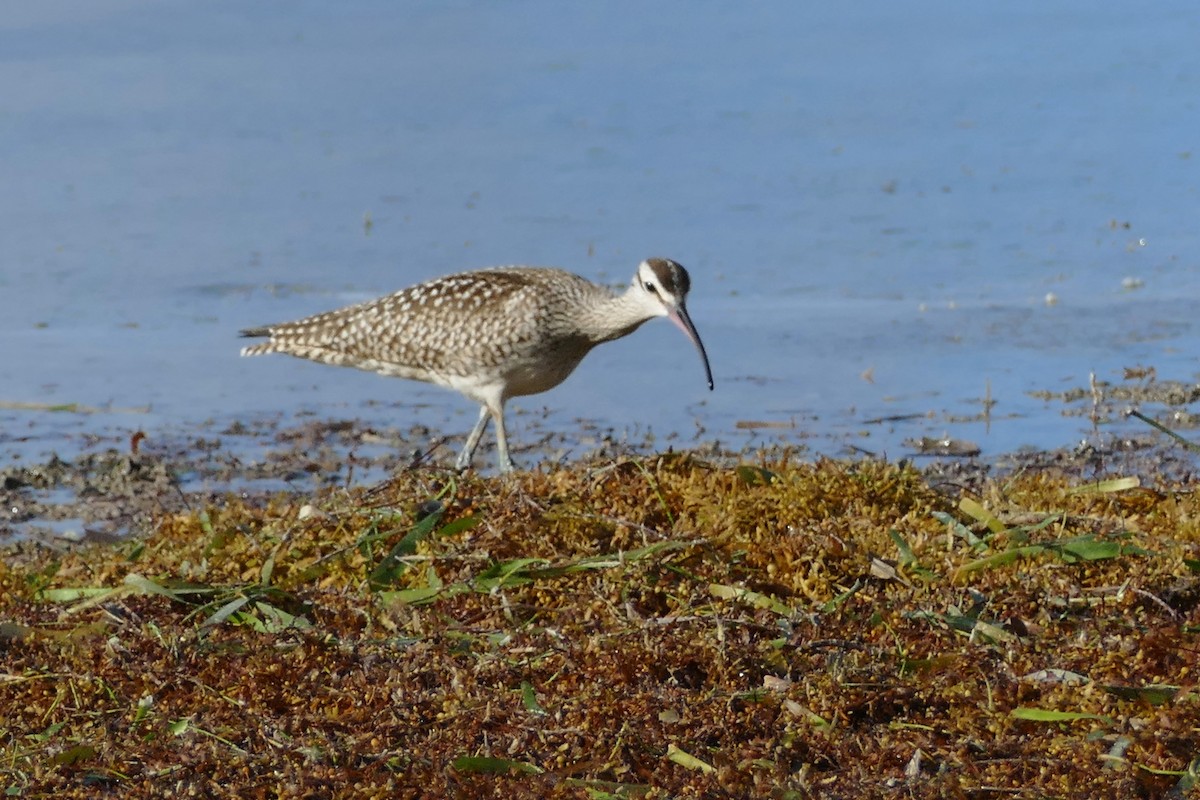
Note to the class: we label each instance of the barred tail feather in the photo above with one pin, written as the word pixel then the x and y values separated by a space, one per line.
pixel 262 348
pixel 259 349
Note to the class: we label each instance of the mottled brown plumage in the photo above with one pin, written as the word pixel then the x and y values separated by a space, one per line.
pixel 490 334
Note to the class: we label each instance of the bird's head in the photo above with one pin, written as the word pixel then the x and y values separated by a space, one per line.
pixel 663 286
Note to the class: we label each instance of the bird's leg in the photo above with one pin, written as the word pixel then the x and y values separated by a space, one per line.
pixel 464 458
pixel 502 460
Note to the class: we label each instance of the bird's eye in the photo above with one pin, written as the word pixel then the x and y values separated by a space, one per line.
pixel 650 287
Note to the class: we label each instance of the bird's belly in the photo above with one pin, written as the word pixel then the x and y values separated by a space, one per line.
pixel 535 377
pixel 516 380
pixel 519 371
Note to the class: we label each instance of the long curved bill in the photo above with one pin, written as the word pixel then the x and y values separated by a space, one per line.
pixel 680 317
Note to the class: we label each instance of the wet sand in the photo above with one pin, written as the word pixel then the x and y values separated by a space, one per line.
pixel 117 486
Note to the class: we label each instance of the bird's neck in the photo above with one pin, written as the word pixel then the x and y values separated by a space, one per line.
pixel 613 316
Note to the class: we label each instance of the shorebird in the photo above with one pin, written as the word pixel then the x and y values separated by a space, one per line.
pixel 491 334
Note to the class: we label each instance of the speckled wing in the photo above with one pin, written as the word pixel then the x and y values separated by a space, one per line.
pixel 459 325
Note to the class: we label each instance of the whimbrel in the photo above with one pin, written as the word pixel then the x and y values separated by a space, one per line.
pixel 490 334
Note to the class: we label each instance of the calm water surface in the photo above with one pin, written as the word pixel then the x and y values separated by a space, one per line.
pixel 875 201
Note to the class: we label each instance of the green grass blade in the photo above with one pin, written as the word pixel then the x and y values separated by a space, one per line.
pixel 1051 715
pixel 685 759
pixel 907 556
pixel 958 529
pixel 73 593
pixel 1108 486
pixel 529 699
pixel 225 612
pixel 514 572
pixel 392 566
pixel 1154 694
pixel 977 512
pixel 493 766
pixel 1000 559
pixel 740 593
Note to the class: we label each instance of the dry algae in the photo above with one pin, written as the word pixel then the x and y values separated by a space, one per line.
pixel 656 628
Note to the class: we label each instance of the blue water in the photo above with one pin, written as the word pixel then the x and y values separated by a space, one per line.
pixel 874 200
